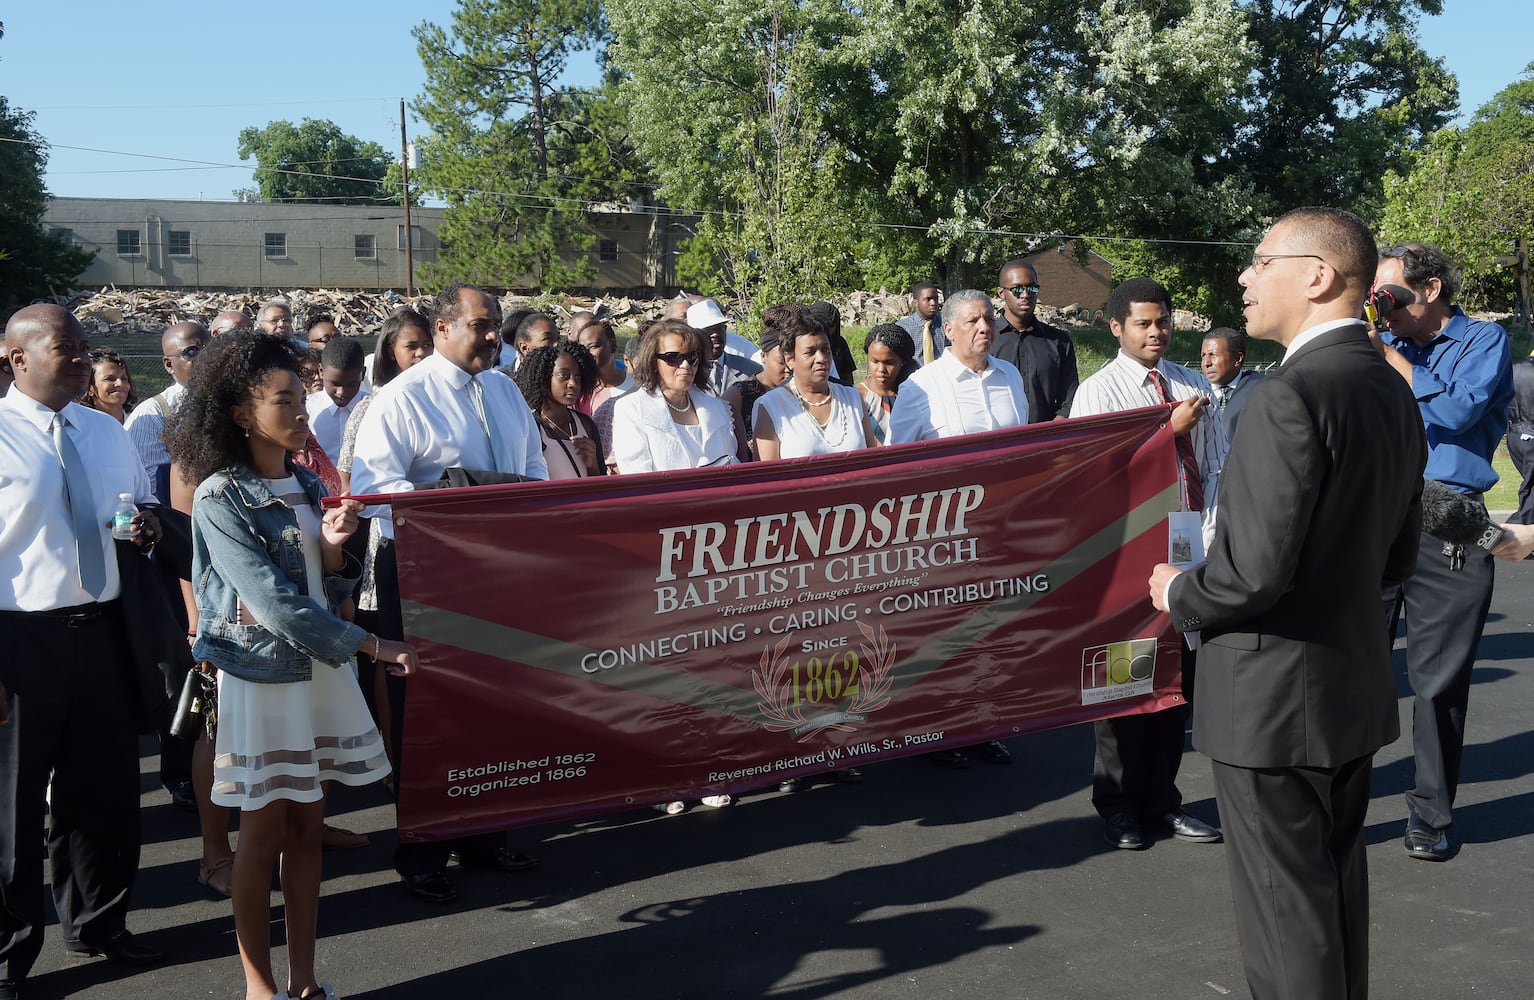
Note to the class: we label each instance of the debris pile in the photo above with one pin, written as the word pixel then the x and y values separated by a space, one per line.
pixel 115 311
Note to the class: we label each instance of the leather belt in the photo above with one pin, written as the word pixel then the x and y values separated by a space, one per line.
pixel 75 617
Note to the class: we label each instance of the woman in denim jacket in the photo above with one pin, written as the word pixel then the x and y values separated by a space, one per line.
pixel 268 571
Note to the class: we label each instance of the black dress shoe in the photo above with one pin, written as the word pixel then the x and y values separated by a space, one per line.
pixel 1123 832
pixel 430 886
pixel 182 796
pixel 1425 842
pixel 994 752
pixel 789 785
pixel 10 989
pixel 951 759
pixel 120 947
pixel 847 776
pixel 1189 828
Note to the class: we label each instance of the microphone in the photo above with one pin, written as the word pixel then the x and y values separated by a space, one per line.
pixel 1385 298
pixel 1455 518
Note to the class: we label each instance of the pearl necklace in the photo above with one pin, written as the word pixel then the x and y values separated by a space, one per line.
pixel 675 408
pixel 837 415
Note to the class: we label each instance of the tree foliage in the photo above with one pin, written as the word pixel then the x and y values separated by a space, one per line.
pixel 517 158
pixel 1471 192
pixel 33 263
pixel 316 161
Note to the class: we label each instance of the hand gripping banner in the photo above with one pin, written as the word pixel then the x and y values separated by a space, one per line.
pixel 598 644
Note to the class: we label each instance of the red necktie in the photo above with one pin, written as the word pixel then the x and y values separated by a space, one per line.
pixel 1193 485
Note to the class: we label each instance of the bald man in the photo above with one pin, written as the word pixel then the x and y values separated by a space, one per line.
pixel 229 319
pixel 65 682
pixel 179 346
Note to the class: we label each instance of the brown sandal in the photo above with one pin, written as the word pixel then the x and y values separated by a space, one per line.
pixel 218 875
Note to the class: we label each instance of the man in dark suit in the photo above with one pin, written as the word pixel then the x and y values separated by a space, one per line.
pixel 1221 357
pixel 1320 503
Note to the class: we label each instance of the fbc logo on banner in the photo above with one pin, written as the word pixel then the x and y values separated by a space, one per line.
pixel 1117 670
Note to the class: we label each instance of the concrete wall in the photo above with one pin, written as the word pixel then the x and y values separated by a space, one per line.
pixel 194 244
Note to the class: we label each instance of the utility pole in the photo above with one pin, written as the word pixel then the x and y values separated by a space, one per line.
pixel 404 169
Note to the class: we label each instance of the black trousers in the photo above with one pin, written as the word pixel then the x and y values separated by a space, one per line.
pixel 1134 771
pixel 411 858
pixel 68 687
pixel 1299 877
pixel 1445 612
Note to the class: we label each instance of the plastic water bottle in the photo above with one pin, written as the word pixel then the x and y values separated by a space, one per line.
pixel 122 517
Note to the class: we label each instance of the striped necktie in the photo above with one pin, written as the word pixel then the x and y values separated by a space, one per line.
pixel 82 510
pixel 1193 484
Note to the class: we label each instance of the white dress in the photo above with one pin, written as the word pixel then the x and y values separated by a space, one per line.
pixel 281 741
pixel 800 434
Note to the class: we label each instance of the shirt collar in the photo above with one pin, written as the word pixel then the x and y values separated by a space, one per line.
pixel 37 414
pixel 1137 370
pixel 960 370
pixel 447 371
pixel 1306 336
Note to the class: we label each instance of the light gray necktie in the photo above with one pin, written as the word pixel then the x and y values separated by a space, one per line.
pixel 498 449
pixel 82 509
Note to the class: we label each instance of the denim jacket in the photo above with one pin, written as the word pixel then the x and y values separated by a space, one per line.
pixel 246 549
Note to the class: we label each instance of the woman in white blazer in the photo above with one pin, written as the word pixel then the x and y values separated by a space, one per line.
pixel 670 421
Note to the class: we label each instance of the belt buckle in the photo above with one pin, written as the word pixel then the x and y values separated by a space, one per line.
pixel 79 619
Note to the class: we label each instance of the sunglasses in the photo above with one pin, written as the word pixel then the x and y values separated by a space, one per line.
pixel 676 358
pixel 1405 249
pixel 188 353
pixel 1018 290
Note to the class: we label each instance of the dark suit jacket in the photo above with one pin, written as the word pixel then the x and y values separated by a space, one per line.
pixel 1239 390
pixel 1319 505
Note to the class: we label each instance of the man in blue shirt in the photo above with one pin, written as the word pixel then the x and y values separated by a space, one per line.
pixel 1460 372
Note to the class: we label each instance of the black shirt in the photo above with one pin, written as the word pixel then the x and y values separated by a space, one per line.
pixel 1046 357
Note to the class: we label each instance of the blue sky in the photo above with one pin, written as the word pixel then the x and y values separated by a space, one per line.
pixel 183 81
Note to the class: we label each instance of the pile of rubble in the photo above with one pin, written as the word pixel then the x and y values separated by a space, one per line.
pixel 113 311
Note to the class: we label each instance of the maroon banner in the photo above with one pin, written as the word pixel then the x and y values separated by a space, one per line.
pixel 599 644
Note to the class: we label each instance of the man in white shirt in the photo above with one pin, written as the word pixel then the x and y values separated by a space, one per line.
pixel 451 409
pixel 179 347
pixel 341 372
pixel 1134 775
pixel 66 683
pixel 963 391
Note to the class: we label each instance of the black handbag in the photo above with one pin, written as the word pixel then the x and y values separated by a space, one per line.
pixel 157 648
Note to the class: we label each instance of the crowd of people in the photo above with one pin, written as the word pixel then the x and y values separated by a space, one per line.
pixel 292 613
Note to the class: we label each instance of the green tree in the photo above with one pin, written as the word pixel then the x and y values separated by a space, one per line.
pixel 1471 192
pixel 316 161
pixel 518 159
pixel 33 262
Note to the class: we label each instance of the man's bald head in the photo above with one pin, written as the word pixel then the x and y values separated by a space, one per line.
pixel 179 347
pixel 229 319
pixel 49 354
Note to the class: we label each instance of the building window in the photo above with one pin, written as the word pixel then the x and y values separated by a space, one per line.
pixel 607 251
pixel 180 243
pixel 63 235
pixel 365 247
pixel 129 243
pixel 276 245
pixel 415 237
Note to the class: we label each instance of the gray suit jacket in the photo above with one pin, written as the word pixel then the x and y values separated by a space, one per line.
pixel 1320 505
pixel 1231 410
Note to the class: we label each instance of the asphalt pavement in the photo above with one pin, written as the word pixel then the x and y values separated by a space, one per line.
pixel 992 882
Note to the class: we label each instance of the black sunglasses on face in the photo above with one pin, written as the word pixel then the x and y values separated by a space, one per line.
pixel 187 353
pixel 676 358
pixel 1018 290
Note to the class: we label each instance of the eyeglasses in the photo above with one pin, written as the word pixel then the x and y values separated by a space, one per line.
pixel 187 353
pixel 676 358
pixel 1018 290
pixel 1260 261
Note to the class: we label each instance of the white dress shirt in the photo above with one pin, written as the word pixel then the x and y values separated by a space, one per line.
pixel 1125 384
pixel 146 426
pixel 947 399
pixel 327 421
pixel 37 536
pixel 425 421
